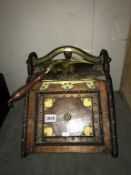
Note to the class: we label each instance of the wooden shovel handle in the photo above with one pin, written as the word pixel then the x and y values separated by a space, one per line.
pixel 24 89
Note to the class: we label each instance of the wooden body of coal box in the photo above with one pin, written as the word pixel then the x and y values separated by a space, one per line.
pixel 72 108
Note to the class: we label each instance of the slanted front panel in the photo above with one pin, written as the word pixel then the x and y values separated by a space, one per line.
pixel 68 116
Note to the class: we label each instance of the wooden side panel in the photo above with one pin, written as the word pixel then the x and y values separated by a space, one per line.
pixel 126 76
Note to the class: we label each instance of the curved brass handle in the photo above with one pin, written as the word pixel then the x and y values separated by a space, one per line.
pixel 24 89
pixel 85 56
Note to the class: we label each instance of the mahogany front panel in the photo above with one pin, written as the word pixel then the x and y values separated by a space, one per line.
pixel 93 112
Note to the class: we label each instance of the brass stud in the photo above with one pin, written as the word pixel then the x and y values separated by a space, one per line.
pixel 67 116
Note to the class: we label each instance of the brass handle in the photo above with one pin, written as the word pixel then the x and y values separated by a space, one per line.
pixel 68 50
pixel 24 89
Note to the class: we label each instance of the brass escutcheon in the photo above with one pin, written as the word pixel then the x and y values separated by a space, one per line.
pixel 67 116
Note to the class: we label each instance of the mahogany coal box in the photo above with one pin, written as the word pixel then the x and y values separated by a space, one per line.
pixel 69 104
